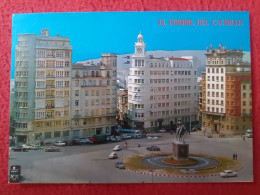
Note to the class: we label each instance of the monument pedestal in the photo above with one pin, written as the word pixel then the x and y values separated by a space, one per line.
pixel 180 150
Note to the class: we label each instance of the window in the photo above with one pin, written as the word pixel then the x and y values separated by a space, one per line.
pixel 66 133
pixel 67 83
pixel 47 135
pixel 67 54
pixel 56 134
pixel 76 92
pixel 67 63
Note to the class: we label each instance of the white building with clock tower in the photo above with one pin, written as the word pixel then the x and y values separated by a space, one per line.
pixel 161 91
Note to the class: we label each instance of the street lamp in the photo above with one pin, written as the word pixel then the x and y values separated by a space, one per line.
pixel 190 121
pixel 220 122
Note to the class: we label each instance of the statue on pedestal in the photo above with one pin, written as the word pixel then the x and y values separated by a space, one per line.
pixel 180 148
pixel 180 131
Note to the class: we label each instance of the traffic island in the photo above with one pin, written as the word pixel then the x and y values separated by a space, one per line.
pixel 163 164
pixel 173 161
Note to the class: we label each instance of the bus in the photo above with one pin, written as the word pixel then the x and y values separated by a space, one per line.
pixel 130 132
pixel 98 138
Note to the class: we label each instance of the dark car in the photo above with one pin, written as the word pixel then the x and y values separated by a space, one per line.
pixel 119 164
pixel 153 148
pixel 68 142
pixel 15 173
pixel 76 142
pixel 19 149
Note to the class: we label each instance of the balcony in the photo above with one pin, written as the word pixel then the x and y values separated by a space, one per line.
pixel 49 96
pixel 50 86
pixel 77 116
pixel 94 85
pixel 50 107
pixel 49 116
pixel 50 76
pixel 50 66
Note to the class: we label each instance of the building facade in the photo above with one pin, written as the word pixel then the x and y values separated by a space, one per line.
pixel 94 97
pixel 42 86
pixel 226 92
pixel 161 91
pixel 55 100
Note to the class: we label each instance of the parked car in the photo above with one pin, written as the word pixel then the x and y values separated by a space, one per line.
pixel 153 148
pixel 59 143
pixel 249 135
pixel 119 164
pixel 125 136
pixel 84 140
pixel 36 147
pixel 194 129
pixel 76 142
pixel 68 142
pixel 26 147
pixel 113 155
pixel 228 173
pixel 52 149
pixel 117 148
pixel 162 130
pixel 19 149
pixel 118 139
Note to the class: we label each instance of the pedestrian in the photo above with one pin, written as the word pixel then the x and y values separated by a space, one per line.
pixel 244 138
pixel 234 156
pixel 126 144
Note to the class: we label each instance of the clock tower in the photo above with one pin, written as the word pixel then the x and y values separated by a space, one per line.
pixel 140 46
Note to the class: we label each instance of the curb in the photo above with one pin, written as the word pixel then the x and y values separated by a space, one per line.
pixel 172 175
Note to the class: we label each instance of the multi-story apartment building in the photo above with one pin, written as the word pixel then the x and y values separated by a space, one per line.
pixel 161 91
pixel 42 87
pixel 226 92
pixel 94 97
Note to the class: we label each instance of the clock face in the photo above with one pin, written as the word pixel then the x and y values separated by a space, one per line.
pixel 139 50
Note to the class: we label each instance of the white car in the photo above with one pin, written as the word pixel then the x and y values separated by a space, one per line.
pixel 162 131
pixel 125 136
pixel 113 155
pixel 60 143
pixel 27 147
pixel 117 148
pixel 249 135
pixel 228 173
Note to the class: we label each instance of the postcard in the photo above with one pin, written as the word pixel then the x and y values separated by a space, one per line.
pixel 131 97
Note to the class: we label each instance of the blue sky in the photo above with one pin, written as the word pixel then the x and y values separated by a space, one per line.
pixel 93 33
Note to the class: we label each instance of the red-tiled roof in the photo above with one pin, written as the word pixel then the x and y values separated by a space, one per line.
pixel 180 59
pixel 77 64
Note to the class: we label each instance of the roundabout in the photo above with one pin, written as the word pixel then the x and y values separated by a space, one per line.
pixel 195 162
pixel 198 165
